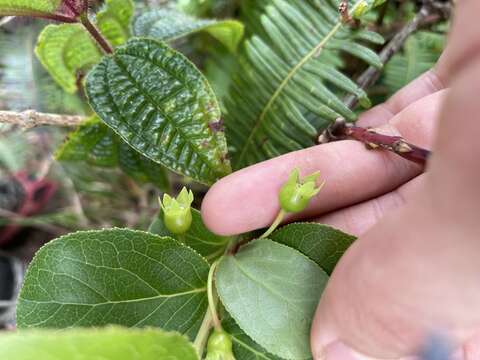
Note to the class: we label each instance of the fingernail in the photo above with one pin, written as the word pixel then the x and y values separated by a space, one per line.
pixel 335 351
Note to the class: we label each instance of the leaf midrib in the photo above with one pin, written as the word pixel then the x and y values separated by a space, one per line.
pixel 156 297
pixel 186 137
pixel 282 86
pixel 290 75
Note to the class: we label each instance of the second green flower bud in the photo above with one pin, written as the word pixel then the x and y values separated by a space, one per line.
pixel 219 346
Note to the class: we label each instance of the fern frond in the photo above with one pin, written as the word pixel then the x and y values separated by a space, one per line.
pixel 421 52
pixel 289 68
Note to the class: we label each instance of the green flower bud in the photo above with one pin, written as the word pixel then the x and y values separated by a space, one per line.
pixel 296 193
pixel 219 346
pixel 177 213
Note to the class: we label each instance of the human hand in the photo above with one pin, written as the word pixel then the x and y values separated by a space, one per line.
pixel 414 269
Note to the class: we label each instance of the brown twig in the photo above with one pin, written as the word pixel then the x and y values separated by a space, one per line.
pixel 373 140
pixel 340 130
pixel 31 118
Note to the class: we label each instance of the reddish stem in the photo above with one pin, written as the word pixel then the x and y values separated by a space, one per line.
pixel 374 140
pixel 92 29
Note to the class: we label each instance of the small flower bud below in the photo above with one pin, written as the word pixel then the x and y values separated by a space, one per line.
pixel 177 213
pixel 219 346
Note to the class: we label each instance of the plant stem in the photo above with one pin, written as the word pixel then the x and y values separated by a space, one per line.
pixel 373 140
pixel 203 333
pixel 276 222
pixel 31 118
pixel 212 301
pixel 92 29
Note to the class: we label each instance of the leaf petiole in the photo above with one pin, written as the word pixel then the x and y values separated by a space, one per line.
pixel 92 29
pixel 275 224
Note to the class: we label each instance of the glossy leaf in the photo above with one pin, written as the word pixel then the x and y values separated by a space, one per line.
pixel 288 86
pixel 114 20
pixel 272 292
pixel 105 344
pixel 123 277
pixel 198 237
pixel 67 51
pixel 163 107
pixel 321 243
pixel 245 348
pixel 98 145
pixel 169 24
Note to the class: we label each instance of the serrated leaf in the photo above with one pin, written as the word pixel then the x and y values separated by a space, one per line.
pixel 321 243
pixel 272 292
pixel 98 145
pixel 289 84
pixel 114 20
pixel 163 107
pixel 106 344
pixel 198 237
pixel 65 51
pixel 122 277
pixel 169 24
pixel 245 348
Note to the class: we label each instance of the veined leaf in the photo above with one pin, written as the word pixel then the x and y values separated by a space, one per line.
pixel 98 145
pixel 114 20
pixel 245 348
pixel 41 8
pixel 107 344
pixel 198 237
pixel 272 292
pixel 321 243
pixel 169 24
pixel 287 70
pixel 163 107
pixel 123 277
pixel 67 50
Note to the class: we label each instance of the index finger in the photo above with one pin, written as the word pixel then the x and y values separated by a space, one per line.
pixel 248 199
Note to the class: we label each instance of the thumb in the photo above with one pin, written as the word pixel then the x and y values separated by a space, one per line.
pixel 398 284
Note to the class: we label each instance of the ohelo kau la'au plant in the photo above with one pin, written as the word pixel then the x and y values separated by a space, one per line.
pixel 182 291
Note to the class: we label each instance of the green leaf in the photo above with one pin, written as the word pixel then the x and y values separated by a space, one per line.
pixel 169 24
pixel 95 143
pixel 163 107
pixel 420 54
pixel 123 277
pixel 30 7
pixel 66 50
pixel 272 292
pixel 198 237
pixel 114 20
pixel 106 344
pixel 321 243
pixel 245 348
pixel 289 84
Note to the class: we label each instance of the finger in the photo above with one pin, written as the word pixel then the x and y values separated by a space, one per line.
pixel 357 219
pixel 427 84
pixel 248 199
